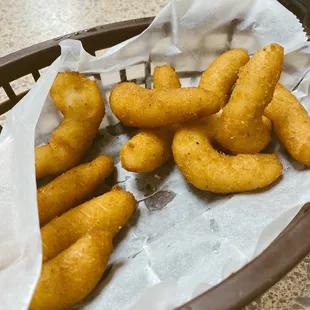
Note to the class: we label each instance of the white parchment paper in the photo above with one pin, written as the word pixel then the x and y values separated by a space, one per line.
pixel 180 241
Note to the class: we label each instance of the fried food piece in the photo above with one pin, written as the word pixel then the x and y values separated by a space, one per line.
pixel 150 148
pixel 222 74
pixel 79 100
pixel 291 123
pixel 136 106
pixel 165 77
pixel 71 188
pixel 147 150
pixel 242 129
pixel 74 273
pixel 207 169
pixel 108 212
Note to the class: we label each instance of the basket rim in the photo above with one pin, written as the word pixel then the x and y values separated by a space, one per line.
pixel 249 282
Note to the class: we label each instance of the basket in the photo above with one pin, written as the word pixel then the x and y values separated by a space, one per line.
pixel 238 290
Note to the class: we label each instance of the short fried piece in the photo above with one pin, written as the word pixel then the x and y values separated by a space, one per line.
pixel 109 212
pixel 136 106
pixel 147 150
pixel 71 188
pixel 73 274
pixel 222 74
pixel 150 148
pixel 165 77
pixel 209 170
pixel 79 100
pixel 291 123
pixel 242 129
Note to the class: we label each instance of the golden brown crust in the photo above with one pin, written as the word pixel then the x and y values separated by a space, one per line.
pixel 207 169
pixel 79 100
pixel 165 77
pixel 73 274
pixel 223 73
pixel 242 129
pixel 72 188
pixel 109 212
pixel 150 148
pixel 136 106
pixel 291 123
pixel 147 150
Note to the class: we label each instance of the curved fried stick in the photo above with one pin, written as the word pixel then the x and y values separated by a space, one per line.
pixel 222 74
pixel 150 148
pixel 79 100
pixel 242 129
pixel 207 169
pixel 71 188
pixel 109 212
pixel 291 123
pixel 73 274
pixel 136 106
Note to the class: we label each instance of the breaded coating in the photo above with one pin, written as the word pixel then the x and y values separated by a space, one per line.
pixel 147 150
pixel 222 74
pixel 108 212
pixel 79 100
pixel 72 188
pixel 291 123
pixel 136 106
pixel 74 273
pixel 207 169
pixel 242 129
pixel 150 148
pixel 165 77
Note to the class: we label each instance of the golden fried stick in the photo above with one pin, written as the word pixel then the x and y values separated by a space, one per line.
pixel 109 212
pixel 223 73
pixel 165 77
pixel 150 148
pixel 71 188
pixel 209 170
pixel 79 100
pixel 73 274
pixel 291 123
pixel 242 129
pixel 136 106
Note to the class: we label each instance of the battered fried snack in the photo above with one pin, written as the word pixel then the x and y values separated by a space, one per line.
pixel 150 148
pixel 291 123
pixel 71 188
pixel 165 77
pixel 73 274
pixel 79 100
pixel 147 150
pixel 109 212
pixel 223 73
pixel 136 106
pixel 242 129
pixel 207 169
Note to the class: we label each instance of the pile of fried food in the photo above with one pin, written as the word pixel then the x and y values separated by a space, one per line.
pixel 76 234
pixel 215 133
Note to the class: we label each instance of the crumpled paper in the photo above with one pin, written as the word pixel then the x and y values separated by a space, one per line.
pixel 180 241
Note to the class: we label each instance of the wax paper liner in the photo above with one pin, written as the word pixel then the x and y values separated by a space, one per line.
pixel 180 241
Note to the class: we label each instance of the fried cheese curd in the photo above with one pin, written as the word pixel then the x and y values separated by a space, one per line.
pixel 291 123
pixel 209 170
pixel 242 128
pixel 74 273
pixel 151 147
pixel 79 100
pixel 72 188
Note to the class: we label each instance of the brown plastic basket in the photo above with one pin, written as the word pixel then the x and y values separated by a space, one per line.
pixel 243 286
